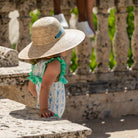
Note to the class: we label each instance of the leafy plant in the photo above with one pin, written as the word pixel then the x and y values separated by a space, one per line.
pixel 34 17
pixel 130 29
pixel 14 46
pixel 111 31
pixel 74 64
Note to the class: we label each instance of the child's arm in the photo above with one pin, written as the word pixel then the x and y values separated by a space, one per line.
pixel 50 76
pixel 32 88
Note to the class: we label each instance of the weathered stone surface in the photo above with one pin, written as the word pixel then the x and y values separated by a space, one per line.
pixel 102 42
pixel 17 120
pixel 105 4
pixel 123 3
pixel 22 69
pixel 121 41
pixel 7 5
pixel 24 8
pixel 8 57
pixel 4 31
pixel 92 106
pixel 14 83
pixel 83 52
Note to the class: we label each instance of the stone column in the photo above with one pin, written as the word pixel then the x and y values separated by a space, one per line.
pixel 4 29
pixel 66 6
pixel 5 8
pixel 24 32
pixel 24 8
pixel 121 41
pixel 83 52
pixel 45 7
pixel 102 42
pixel 135 38
pixel 69 76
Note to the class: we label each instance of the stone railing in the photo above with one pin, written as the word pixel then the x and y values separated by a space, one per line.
pixel 98 87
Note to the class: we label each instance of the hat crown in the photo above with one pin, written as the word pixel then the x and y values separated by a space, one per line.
pixel 44 31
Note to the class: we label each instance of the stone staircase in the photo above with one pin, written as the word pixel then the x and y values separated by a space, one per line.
pixel 18 120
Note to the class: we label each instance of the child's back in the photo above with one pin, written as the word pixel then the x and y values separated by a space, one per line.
pixel 56 100
pixel 49 39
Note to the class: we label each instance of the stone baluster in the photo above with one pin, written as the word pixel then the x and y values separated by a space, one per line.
pixel 83 53
pixel 4 29
pixel 121 41
pixel 45 7
pixel 24 8
pixel 66 6
pixel 135 38
pixel 5 8
pixel 102 42
pixel 4 21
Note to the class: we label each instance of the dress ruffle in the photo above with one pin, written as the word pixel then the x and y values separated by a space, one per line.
pixel 62 79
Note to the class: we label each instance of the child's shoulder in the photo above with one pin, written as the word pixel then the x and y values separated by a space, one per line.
pixel 54 64
pixel 54 67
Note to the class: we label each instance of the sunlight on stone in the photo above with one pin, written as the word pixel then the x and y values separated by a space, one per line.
pixel 14 27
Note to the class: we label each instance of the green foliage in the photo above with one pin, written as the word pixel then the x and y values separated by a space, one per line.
pixel 111 24
pixel 34 17
pixel 13 46
pixel 74 64
pixel 130 21
pixel 51 12
pixel 130 29
pixel 75 11
pixel 93 63
pixel 111 31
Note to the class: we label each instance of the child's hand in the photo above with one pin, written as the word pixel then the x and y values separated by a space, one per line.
pixel 46 113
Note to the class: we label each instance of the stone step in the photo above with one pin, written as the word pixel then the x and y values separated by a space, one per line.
pixel 18 120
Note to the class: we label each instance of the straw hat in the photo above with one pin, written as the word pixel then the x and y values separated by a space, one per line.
pixel 49 38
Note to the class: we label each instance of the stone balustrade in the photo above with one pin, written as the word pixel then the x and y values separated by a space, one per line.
pixel 105 85
pixel 8 57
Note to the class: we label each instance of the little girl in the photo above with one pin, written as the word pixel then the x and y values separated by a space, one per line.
pixel 47 49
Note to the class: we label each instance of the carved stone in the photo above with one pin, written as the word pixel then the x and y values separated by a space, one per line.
pixel 83 53
pixel 8 57
pixel 24 8
pixel 45 7
pixel 4 30
pixel 68 62
pixel 121 41
pixel 102 42
pixel 123 3
pixel 104 4
pixel 24 33
pixel 135 2
pixel 18 120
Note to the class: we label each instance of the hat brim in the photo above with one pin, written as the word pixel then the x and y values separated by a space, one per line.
pixel 69 40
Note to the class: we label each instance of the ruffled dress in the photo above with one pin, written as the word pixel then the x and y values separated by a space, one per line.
pixel 56 100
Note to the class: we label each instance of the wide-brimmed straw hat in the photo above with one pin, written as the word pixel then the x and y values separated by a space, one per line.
pixel 49 38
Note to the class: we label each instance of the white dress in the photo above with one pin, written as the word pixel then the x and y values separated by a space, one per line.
pixel 56 100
